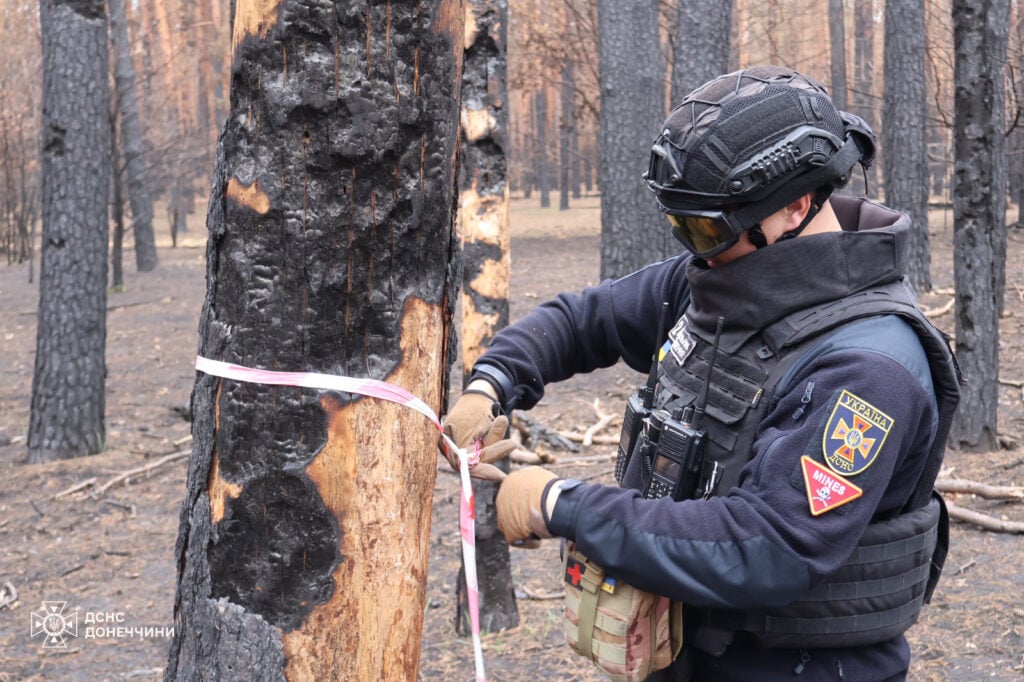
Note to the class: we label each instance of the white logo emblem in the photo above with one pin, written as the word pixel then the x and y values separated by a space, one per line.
pixel 52 623
pixel 682 342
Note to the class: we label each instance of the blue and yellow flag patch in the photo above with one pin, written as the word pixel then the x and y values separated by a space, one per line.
pixel 854 435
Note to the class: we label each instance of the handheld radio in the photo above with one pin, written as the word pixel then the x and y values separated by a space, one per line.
pixel 638 406
pixel 678 464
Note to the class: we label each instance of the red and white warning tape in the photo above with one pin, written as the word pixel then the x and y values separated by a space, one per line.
pixel 385 391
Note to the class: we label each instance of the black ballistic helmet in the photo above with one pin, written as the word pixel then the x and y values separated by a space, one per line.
pixel 746 144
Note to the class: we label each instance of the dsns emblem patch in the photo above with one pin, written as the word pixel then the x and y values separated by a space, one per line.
pixel 854 435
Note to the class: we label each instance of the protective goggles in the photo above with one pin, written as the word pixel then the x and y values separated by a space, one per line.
pixel 705 233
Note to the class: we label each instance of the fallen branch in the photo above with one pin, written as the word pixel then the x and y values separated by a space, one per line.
pixel 540 432
pixel 524 456
pixel 75 488
pixel 983 490
pixel 603 420
pixel 939 312
pixel 984 520
pixel 586 459
pixel 174 456
pixel 577 437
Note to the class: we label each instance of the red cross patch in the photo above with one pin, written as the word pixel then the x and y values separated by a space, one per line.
pixel 574 571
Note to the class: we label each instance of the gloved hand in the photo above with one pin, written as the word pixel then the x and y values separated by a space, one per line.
pixel 518 504
pixel 477 416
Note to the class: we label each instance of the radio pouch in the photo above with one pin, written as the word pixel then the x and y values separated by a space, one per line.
pixel 627 633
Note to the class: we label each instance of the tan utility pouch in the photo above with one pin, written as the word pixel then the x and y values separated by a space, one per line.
pixel 626 632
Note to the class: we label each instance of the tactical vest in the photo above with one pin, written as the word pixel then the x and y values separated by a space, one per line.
pixel 879 592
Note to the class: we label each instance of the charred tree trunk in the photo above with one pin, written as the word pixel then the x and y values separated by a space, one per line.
pixel 146 258
pixel 633 231
pixel 304 535
pixel 565 134
pixel 484 220
pixel 70 368
pixel 701 45
pixel 905 147
pixel 979 206
pixel 837 42
pixel 116 210
pixel 862 99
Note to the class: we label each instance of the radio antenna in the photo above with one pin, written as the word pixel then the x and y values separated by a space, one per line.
pixel 652 378
pixel 702 400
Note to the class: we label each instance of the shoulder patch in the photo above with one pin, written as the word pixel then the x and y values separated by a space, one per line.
pixel 854 435
pixel 682 343
pixel 826 490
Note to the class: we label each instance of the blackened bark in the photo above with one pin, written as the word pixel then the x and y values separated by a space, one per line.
pixel 904 146
pixel 540 159
pixel 566 131
pixel 862 101
pixel 633 231
pixel 701 45
pixel 979 205
pixel 837 43
pixel 146 258
pixel 302 552
pixel 116 210
pixel 68 381
pixel 484 220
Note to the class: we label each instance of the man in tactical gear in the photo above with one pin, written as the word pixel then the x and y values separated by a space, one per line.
pixel 810 535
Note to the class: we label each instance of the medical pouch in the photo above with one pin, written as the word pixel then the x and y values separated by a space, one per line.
pixel 627 633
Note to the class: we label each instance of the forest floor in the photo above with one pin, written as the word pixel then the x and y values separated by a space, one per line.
pixel 105 551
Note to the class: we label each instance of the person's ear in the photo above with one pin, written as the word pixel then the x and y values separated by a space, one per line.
pixel 796 211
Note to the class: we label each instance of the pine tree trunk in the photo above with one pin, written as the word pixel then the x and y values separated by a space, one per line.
pixel 304 536
pixel 837 42
pixel 863 101
pixel 904 144
pixel 540 113
pixel 484 220
pixel 633 230
pixel 701 45
pixel 116 210
pixel 979 206
pixel 70 369
pixel 565 133
pixel 146 258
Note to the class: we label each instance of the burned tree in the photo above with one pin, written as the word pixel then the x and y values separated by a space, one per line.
pixel 68 395
pixel 905 161
pixel 484 219
pixel 980 32
pixel 633 231
pixel 146 258
pixel 303 545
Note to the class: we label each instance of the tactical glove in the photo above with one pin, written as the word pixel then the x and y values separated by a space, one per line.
pixel 518 504
pixel 477 416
